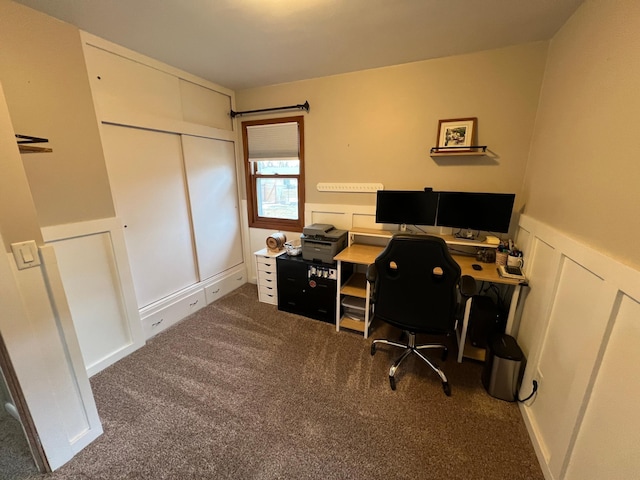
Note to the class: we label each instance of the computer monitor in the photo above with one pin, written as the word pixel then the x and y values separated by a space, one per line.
pixel 489 212
pixel 406 207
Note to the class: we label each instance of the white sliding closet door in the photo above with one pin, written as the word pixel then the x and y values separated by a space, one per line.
pixel 148 185
pixel 211 177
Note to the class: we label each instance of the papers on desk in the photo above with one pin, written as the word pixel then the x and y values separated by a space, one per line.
pixel 511 272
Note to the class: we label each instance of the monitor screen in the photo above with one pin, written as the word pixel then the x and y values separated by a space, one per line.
pixel 406 207
pixel 489 212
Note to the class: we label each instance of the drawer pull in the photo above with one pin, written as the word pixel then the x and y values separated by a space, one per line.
pixel 216 291
pixel 193 304
pixel 240 278
pixel 153 325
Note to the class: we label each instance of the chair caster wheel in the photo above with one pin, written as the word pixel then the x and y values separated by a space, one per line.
pixel 373 349
pixel 446 388
pixel 444 354
pixel 392 382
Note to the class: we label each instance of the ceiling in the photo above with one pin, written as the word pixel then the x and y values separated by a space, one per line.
pixel 249 43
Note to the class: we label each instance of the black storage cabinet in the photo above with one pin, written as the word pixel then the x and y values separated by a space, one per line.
pixel 304 287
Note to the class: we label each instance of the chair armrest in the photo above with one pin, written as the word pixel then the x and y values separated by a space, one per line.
pixel 467 286
pixel 372 273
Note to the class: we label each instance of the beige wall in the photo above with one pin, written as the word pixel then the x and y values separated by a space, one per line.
pixel 583 174
pixel 378 125
pixel 18 221
pixel 47 90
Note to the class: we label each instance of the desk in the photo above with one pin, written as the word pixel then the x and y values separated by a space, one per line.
pixel 357 286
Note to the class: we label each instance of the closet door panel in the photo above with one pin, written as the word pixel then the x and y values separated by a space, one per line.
pixel 211 178
pixel 147 182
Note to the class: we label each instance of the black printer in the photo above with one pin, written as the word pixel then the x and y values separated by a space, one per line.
pixel 321 242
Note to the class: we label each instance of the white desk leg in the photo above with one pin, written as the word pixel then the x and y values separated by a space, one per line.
pixel 367 313
pixel 510 329
pixel 339 283
pixel 462 338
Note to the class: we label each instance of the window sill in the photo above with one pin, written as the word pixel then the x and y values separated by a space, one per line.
pixel 277 224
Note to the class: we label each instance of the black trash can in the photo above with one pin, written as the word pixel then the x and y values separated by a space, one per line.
pixel 501 373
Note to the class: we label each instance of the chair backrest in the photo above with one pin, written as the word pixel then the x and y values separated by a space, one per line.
pixel 415 287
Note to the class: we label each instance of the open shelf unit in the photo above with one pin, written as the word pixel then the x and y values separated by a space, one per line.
pixel 356 285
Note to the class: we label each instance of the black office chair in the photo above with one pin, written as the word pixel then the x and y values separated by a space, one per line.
pixel 417 287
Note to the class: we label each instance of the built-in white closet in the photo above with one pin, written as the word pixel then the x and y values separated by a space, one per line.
pixel 175 244
pixel 147 181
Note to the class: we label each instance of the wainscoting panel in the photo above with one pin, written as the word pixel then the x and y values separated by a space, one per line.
pixel 579 330
pixel 60 400
pixel 576 326
pixel 541 261
pixel 94 268
pixel 610 426
pixel 344 217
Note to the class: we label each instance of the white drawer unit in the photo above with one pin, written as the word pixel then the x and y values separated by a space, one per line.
pixel 228 283
pixel 266 275
pixel 161 315
pixel 161 319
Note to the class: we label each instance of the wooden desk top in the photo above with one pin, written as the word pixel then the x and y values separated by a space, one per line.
pixel 366 254
pixel 359 254
pixel 489 272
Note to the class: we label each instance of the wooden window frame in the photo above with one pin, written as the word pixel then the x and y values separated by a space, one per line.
pixel 270 223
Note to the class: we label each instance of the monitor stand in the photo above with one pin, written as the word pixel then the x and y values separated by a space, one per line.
pixel 467 234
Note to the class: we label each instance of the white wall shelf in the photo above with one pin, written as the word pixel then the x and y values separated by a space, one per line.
pixel 471 151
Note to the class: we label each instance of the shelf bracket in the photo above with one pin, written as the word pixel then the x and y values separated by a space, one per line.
pixel 25 141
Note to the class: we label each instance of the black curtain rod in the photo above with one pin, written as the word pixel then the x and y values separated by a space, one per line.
pixel 304 106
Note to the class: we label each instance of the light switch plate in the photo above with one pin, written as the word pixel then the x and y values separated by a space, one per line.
pixel 26 254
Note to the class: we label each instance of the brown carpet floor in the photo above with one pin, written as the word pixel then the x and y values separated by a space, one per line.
pixel 15 457
pixel 241 390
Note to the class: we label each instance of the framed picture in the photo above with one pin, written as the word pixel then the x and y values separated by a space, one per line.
pixel 455 134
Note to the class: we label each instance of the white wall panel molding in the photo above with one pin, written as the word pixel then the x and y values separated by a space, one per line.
pixel 341 216
pixel 571 330
pixel 61 402
pixel 613 271
pixel 93 262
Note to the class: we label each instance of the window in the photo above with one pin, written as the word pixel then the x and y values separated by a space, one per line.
pixel 274 166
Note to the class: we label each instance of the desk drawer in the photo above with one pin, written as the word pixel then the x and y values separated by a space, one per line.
pixel 271 283
pixel 267 276
pixel 268 295
pixel 266 263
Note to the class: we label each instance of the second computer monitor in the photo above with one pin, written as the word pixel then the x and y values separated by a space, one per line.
pixel 489 212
